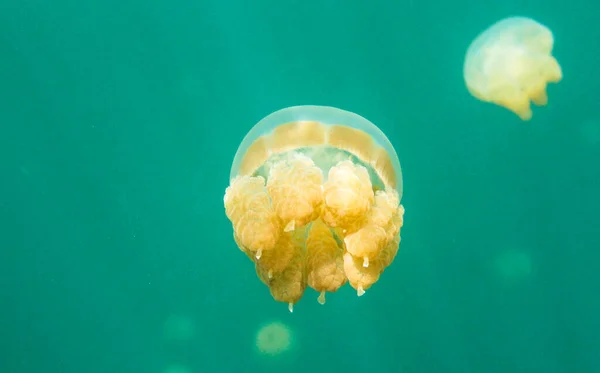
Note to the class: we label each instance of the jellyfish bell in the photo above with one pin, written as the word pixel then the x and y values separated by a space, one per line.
pixel 314 200
pixel 510 64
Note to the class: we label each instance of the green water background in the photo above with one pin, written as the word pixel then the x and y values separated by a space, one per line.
pixel 118 124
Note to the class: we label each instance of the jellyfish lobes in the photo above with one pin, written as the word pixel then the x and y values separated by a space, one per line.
pixel 374 246
pixel 248 207
pixel 347 195
pixel 307 197
pixel 294 186
pixel 510 64
pixel 288 285
pixel 377 229
pixel 325 263
pixel 275 261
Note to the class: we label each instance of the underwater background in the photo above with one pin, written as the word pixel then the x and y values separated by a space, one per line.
pixel 119 121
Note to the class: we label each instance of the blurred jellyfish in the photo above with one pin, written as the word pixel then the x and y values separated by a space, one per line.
pixel 314 200
pixel 273 339
pixel 511 63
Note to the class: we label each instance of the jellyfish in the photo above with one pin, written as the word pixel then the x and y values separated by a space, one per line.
pixel 314 201
pixel 273 339
pixel 510 64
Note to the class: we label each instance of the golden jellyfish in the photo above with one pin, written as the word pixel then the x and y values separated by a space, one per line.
pixel 510 64
pixel 273 339
pixel 314 200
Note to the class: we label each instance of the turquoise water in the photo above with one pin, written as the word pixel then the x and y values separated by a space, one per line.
pixel 119 121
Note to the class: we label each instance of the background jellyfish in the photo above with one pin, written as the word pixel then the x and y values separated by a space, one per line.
pixel 510 64
pixel 273 339
pixel 314 200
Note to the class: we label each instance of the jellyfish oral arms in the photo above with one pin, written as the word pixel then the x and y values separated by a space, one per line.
pixel 510 64
pixel 314 201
